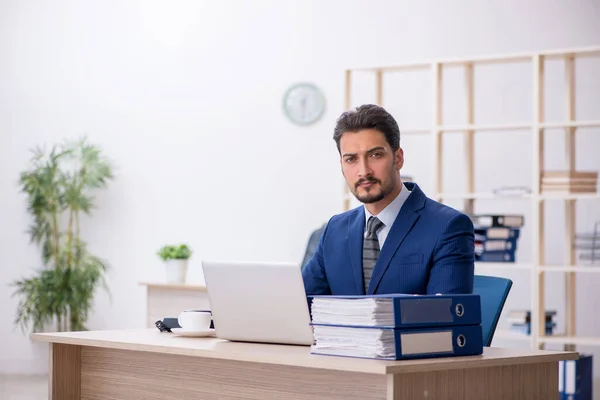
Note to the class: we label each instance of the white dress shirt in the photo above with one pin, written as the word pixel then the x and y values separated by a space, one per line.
pixel 388 215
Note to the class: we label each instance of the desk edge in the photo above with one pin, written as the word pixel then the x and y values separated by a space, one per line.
pixel 379 368
pixel 371 368
pixel 472 362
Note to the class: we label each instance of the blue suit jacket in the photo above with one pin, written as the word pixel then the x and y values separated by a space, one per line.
pixel 430 249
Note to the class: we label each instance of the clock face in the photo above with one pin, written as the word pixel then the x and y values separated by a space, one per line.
pixel 304 103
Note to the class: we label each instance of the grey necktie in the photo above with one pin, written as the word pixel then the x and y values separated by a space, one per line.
pixel 370 249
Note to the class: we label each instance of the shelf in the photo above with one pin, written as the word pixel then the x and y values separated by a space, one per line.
pixel 569 196
pixel 578 340
pixel 501 127
pixel 482 196
pixel 492 59
pixel 535 132
pixel 570 124
pixel 482 128
pixel 526 196
pixel 588 51
pixel 592 269
pixel 503 265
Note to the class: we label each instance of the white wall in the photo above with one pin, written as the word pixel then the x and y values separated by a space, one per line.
pixel 185 97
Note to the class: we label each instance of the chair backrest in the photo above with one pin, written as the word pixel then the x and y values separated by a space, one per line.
pixel 493 292
pixel 313 243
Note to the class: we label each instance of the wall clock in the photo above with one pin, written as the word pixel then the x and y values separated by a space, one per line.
pixel 303 103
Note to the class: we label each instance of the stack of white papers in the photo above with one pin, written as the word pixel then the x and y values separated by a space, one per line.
pixel 353 311
pixel 354 342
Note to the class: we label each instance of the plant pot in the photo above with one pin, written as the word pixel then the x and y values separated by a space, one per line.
pixel 176 270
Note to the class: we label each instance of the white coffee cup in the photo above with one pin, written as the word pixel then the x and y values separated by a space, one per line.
pixel 195 320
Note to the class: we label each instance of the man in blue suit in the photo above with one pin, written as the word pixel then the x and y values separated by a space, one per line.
pixel 399 241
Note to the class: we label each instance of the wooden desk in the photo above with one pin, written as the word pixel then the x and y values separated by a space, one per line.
pixel 147 364
pixel 168 300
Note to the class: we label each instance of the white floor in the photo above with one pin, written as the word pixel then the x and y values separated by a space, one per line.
pixel 17 387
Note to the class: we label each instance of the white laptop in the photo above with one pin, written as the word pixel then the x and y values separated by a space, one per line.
pixel 258 302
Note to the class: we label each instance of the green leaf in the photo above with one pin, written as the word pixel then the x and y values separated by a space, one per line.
pixel 59 184
pixel 174 252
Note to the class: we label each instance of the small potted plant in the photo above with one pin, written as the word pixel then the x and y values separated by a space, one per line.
pixel 176 259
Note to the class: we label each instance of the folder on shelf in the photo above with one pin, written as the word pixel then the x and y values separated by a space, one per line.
pixel 498 220
pixel 396 310
pixel 495 245
pixel 484 233
pixel 496 256
pixel 575 378
pixel 525 328
pixel 397 343
pixel 524 316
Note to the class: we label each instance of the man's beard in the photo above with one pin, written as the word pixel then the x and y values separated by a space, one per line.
pixel 375 194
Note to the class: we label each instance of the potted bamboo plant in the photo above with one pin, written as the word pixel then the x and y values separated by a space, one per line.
pixel 176 259
pixel 59 187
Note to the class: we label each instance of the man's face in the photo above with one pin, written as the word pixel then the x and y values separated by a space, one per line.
pixel 369 165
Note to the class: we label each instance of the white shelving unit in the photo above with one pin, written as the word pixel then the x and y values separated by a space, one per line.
pixel 536 127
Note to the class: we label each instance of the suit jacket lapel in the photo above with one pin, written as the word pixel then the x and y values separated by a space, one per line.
pixel 404 222
pixel 356 229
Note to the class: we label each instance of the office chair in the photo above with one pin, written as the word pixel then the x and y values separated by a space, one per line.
pixel 493 292
pixel 313 243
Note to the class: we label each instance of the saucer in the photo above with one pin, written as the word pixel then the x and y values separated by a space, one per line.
pixel 186 333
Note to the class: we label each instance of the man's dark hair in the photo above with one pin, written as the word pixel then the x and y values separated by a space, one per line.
pixel 368 116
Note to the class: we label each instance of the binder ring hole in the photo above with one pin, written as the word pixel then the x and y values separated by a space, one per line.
pixel 461 340
pixel 460 310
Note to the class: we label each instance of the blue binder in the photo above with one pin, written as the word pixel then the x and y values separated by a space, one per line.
pixel 413 311
pixel 484 233
pixel 575 378
pixel 496 256
pixel 484 244
pixel 418 343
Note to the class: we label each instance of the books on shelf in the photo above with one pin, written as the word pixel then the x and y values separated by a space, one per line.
pixel 520 321
pixel 496 256
pixel 396 326
pixel 485 233
pixel 496 220
pixel 569 181
pixel 496 236
pixel 588 244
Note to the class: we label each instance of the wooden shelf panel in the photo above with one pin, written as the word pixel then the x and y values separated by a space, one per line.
pixel 482 196
pixel 590 51
pixel 569 196
pixel 592 269
pixel 571 124
pixel 577 340
pixel 524 126
pixel 485 127
pixel 542 196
